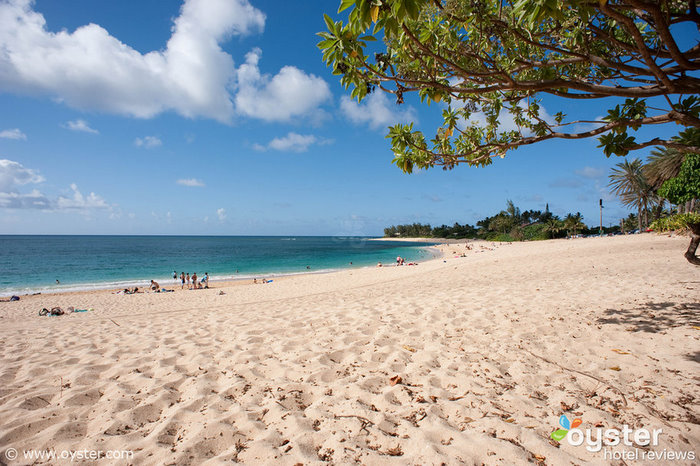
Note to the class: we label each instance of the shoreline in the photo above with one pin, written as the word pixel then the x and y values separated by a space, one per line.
pixel 170 283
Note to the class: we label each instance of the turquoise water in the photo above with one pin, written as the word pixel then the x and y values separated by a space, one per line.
pixel 32 264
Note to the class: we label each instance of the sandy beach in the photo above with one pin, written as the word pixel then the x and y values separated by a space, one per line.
pixel 459 360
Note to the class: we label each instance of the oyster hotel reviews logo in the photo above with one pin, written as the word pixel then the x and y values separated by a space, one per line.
pixel 597 438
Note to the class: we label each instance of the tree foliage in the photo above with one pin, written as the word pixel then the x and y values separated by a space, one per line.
pixel 495 58
pixel 507 225
pixel 686 186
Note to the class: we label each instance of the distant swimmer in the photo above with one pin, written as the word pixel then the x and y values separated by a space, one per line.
pixel 57 282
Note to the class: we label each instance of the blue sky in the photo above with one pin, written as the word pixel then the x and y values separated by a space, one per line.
pixel 218 117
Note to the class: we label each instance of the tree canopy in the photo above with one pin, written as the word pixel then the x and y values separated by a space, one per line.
pixel 490 59
pixel 685 186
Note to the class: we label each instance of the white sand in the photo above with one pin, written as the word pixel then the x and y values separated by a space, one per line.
pixel 491 349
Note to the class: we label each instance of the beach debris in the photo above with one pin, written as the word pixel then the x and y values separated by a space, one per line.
pixel 615 368
pixel 396 451
pixel 395 380
pixel 619 351
pixel 696 327
pixel 409 348
pixel 565 407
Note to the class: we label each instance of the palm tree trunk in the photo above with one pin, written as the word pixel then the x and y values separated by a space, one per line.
pixel 639 218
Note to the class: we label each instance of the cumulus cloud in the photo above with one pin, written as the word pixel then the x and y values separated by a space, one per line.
pixel 13 175
pixel 13 134
pixel 192 75
pixel 148 142
pixel 221 213
pixel 191 182
pixel 377 111
pixel 80 125
pixel 31 200
pixel 79 202
pixel 293 142
pixel 289 93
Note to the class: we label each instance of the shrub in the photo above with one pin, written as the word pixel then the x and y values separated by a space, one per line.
pixel 678 222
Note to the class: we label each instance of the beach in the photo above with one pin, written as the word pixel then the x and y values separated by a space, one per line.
pixel 469 358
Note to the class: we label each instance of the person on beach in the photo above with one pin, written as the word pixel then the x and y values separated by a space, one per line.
pixel 188 280
pixel 205 280
pixel 175 276
pixel 155 286
pixel 194 280
pixel 182 279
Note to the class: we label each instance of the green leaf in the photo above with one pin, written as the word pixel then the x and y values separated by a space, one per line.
pixel 345 4
pixel 329 22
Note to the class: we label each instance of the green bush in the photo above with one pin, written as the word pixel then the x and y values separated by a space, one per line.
pixel 678 222
pixel 535 232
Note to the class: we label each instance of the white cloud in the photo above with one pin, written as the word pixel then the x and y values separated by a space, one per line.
pixel 80 125
pixel 377 111
pixel 13 134
pixel 79 202
pixel 32 200
pixel 192 75
pixel 221 213
pixel 148 142
pixel 293 142
pixel 13 175
pixel 288 94
pixel 191 182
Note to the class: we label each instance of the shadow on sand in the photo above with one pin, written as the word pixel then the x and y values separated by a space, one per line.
pixel 654 317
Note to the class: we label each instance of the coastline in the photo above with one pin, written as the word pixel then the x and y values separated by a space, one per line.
pixel 274 272
pixel 490 346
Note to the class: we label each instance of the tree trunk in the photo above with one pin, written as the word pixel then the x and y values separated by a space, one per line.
pixel 694 242
pixel 639 219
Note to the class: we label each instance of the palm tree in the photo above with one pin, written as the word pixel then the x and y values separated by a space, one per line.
pixel 662 165
pixel 628 182
pixel 553 226
pixel 573 223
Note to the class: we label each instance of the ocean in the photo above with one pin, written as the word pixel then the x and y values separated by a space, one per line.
pixel 34 264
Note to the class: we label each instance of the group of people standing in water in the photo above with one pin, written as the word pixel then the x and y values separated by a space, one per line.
pixel 193 283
